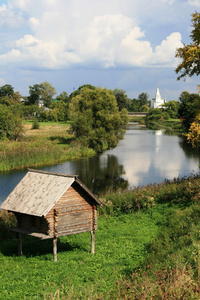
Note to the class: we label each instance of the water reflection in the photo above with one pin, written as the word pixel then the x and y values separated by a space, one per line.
pixel 100 173
pixel 142 157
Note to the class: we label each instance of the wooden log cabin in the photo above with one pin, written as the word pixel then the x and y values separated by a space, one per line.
pixel 50 205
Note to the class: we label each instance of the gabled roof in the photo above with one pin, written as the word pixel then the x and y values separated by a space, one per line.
pixel 39 191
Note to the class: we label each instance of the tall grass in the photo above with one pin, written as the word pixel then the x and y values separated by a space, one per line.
pixel 49 145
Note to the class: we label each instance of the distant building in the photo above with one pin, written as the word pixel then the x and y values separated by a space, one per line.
pixel 158 101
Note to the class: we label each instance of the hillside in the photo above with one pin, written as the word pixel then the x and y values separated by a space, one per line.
pixel 147 247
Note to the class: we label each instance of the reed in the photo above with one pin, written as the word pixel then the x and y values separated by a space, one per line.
pixel 45 146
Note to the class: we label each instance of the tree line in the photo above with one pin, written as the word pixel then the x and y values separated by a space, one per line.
pixel 98 115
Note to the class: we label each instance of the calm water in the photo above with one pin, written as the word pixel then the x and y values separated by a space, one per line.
pixel 143 156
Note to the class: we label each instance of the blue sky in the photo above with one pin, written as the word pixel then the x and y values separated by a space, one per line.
pixel 127 44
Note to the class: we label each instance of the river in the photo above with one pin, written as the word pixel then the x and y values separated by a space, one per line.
pixel 144 156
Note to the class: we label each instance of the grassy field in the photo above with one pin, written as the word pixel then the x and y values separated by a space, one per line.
pixel 147 247
pixel 51 143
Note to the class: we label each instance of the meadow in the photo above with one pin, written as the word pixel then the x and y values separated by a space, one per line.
pixel 49 144
pixel 147 247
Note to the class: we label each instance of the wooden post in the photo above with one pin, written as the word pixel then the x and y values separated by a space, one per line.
pixel 92 241
pixel 55 249
pixel 20 245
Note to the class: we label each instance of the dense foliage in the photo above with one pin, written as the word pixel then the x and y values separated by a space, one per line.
pixel 10 124
pixel 41 92
pixel 190 54
pixel 189 108
pixel 96 119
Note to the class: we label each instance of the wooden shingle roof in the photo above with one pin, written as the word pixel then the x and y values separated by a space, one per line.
pixel 39 191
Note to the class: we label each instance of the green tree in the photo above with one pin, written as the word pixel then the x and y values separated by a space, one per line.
pixel 63 97
pixel 135 105
pixel 172 107
pixel 47 93
pixel 121 98
pixel 10 124
pixel 34 94
pixel 189 108
pixel 96 119
pixel 6 91
pixel 11 100
pixel 143 99
pixel 78 91
pixel 41 92
pixel 190 54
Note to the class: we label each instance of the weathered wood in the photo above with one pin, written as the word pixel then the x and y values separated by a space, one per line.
pixel 49 205
pixel 55 249
pixel 92 241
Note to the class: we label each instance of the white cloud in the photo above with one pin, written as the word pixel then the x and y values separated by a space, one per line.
pixel 169 1
pixel 194 3
pixel 133 51
pixel 58 35
pixel 3 8
pixel 165 53
pixel 12 56
pixel 2 81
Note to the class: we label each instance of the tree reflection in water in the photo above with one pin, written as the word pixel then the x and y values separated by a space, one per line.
pixel 101 174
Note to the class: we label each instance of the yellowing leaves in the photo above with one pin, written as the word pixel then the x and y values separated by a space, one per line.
pixel 194 131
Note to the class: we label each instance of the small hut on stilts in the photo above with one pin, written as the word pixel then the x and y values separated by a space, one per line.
pixel 49 205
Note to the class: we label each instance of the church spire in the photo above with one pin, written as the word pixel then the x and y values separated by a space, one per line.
pixel 158 96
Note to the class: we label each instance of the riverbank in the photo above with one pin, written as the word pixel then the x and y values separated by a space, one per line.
pixel 50 144
pixel 171 125
pixel 147 247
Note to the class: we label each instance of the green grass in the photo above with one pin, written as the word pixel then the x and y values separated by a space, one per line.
pixel 120 247
pixel 173 125
pixel 147 247
pixel 50 144
pixel 140 120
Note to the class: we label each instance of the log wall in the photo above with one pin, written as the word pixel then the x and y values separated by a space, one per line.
pixel 75 212
pixel 33 223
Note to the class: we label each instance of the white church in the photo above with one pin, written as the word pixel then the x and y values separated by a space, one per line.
pixel 158 101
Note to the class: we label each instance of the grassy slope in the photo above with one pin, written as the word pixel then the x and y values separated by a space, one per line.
pixel 149 252
pixel 50 144
pixel 120 247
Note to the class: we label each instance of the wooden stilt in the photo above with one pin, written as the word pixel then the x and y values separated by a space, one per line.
pixel 20 245
pixel 92 241
pixel 55 249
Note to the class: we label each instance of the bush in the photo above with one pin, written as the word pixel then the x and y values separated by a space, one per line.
pixel 35 124
pixel 10 124
pixel 180 192
pixel 7 221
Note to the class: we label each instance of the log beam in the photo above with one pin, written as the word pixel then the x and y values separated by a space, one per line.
pixel 55 249
pixel 92 241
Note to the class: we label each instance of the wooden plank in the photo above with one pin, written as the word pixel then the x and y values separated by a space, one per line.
pixel 29 232
pixel 55 249
pixel 92 241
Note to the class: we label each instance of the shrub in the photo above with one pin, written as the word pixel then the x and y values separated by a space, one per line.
pixel 7 221
pixel 10 124
pixel 35 124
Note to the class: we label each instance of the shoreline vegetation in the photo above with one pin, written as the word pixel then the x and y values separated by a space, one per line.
pixel 170 125
pixel 53 143
pixel 50 144
pixel 147 242
pixel 147 247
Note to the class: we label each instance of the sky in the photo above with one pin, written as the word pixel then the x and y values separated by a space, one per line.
pixel 127 44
